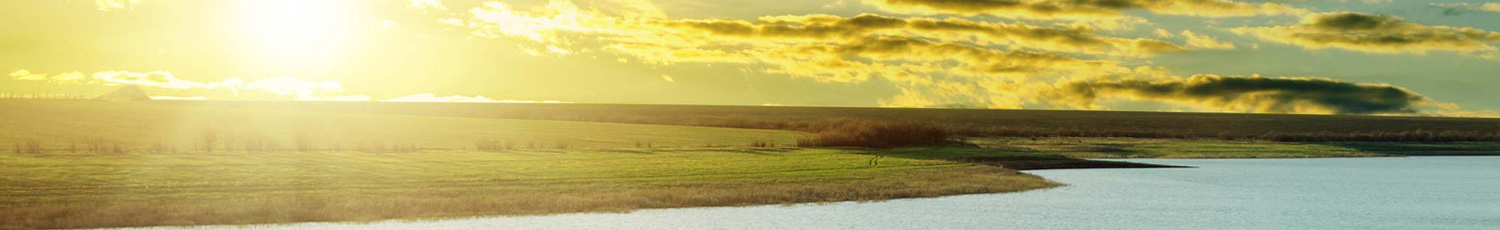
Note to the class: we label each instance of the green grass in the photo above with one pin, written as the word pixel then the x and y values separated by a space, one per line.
pixel 1424 149
pixel 601 171
pixel 112 190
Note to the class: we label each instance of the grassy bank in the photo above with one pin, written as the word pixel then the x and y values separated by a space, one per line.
pixel 1213 148
pixel 113 190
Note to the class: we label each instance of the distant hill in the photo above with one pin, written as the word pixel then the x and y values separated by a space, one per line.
pixel 127 93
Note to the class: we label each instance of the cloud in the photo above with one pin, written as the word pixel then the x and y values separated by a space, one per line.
pixel 904 59
pixel 1249 94
pixel 63 78
pixel 295 88
pixel 827 48
pixel 429 97
pixel 1374 34
pixel 544 24
pixel 1163 33
pixel 668 78
pixel 1458 8
pixel 428 5
pixel 949 62
pixel 1205 42
pixel 1080 39
pixel 1076 9
pixel 112 5
pixel 159 79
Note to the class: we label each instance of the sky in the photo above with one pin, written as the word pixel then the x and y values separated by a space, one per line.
pixel 1374 57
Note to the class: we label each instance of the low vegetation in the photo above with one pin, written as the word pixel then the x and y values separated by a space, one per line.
pixel 116 190
pixel 874 134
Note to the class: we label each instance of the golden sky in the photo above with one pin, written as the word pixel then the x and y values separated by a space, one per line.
pixel 1313 56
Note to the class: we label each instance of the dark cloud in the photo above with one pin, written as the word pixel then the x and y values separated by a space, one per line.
pixel 1083 8
pixel 1254 94
pixel 1375 34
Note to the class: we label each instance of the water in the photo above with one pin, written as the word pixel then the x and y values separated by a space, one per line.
pixel 1354 193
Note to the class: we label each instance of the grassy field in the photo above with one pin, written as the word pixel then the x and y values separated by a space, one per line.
pixel 113 190
pixel 281 166
pixel 79 163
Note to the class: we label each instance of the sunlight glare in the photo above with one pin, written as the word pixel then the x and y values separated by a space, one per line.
pixel 297 32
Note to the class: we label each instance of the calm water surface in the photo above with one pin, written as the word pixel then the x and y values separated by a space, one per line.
pixel 1353 193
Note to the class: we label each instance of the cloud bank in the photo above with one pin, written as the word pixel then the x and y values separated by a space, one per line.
pixel 955 62
pixel 1252 94
pixel 1373 33
pixel 294 88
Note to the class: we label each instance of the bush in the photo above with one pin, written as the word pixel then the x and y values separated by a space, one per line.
pixel 875 134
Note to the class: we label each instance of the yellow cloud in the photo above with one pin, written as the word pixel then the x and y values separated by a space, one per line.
pixel 26 75
pixel 827 27
pixel 1374 34
pixel 823 47
pixel 1205 42
pixel 495 19
pixel 160 79
pixel 428 5
pixel 298 89
pixel 933 62
pixel 1069 9
pixel 112 5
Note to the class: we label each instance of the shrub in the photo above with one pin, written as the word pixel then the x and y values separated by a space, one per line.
pixel 487 145
pixel 875 134
pixel 207 139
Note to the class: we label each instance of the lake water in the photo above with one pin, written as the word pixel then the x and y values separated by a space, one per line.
pixel 1349 193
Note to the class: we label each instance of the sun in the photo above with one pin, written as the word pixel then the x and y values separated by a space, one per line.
pixel 301 32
